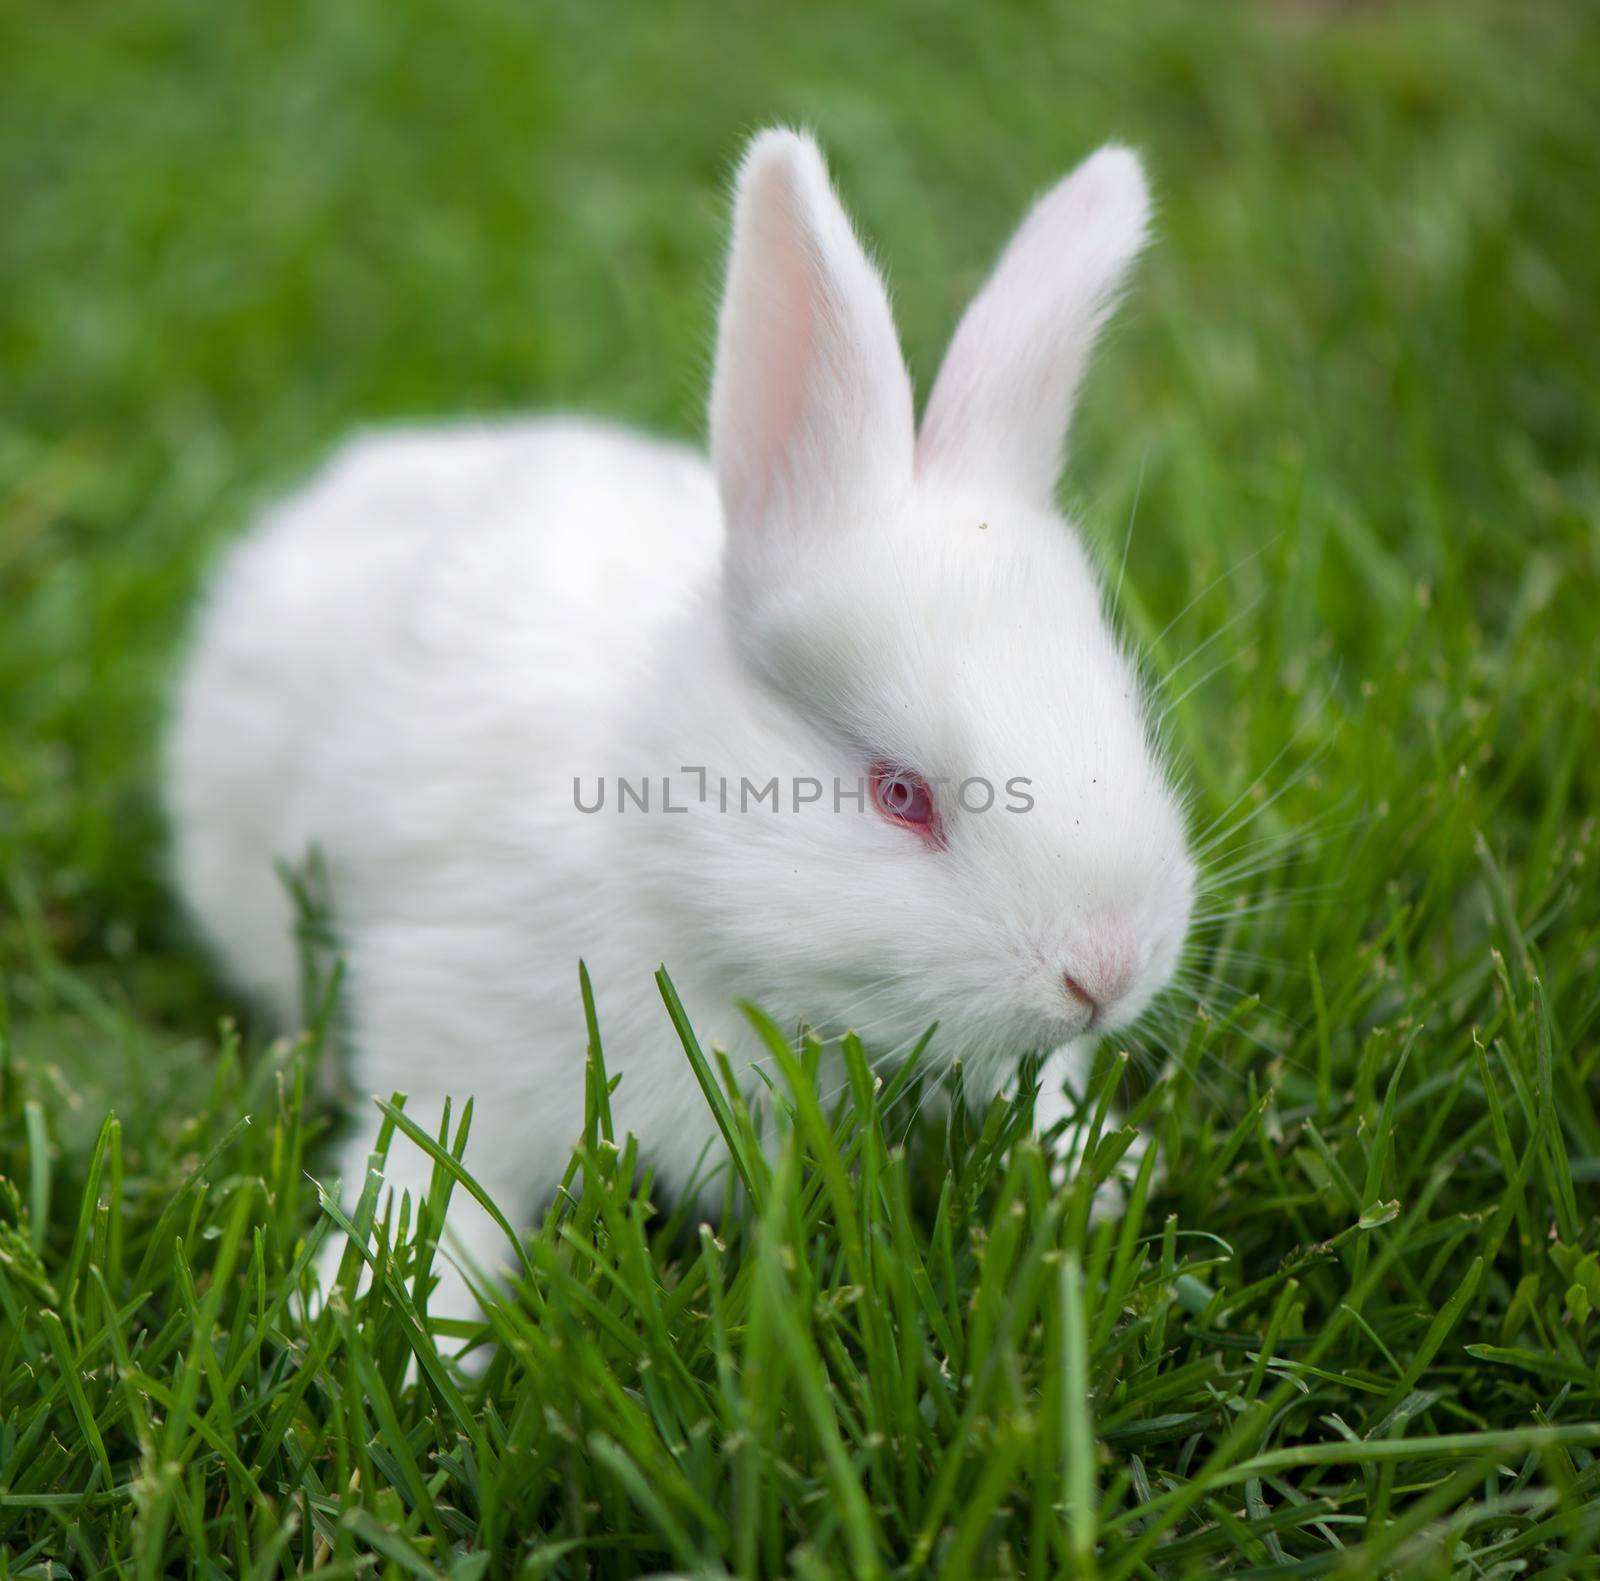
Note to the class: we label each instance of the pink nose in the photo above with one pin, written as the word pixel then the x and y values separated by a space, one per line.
pixel 1079 995
pixel 1097 984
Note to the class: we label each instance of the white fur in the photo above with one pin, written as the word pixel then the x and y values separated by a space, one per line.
pixel 409 662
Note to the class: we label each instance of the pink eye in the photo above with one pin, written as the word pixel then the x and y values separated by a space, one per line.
pixel 906 799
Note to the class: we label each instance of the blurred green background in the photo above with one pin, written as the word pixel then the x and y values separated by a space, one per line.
pixel 1358 371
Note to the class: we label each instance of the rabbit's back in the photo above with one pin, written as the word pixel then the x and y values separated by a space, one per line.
pixel 432 600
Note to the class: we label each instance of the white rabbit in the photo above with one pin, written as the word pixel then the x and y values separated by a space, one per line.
pixel 424 663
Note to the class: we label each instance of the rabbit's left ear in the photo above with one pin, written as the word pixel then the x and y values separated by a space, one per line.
pixel 1003 400
pixel 811 409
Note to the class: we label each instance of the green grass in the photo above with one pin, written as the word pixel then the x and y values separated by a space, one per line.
pixel 1347 1323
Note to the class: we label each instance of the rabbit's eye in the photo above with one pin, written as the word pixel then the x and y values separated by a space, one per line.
pixel 906 799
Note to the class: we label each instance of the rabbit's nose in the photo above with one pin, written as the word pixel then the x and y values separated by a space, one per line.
pixel 1097 983
pixel 1079 995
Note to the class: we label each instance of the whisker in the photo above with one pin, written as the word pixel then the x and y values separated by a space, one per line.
pixel 1127 537
pixel 1177 702
pixel 1195 652
pixel 1210 586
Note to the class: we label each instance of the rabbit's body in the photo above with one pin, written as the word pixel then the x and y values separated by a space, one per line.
pixel 431 663
pixel 434 601
pixel 423 604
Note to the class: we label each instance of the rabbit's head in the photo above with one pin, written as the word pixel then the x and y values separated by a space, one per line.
pixel 921 617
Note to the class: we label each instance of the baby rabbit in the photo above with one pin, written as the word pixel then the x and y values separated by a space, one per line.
pixel 458 662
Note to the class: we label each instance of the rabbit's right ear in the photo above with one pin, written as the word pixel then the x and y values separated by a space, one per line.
pixel 811 411
pixel 1003 400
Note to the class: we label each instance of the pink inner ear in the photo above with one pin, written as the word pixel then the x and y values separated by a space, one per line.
pixel 772 346
pixel 811 399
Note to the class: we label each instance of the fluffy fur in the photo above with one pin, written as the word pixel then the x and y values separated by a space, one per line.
pixel 408 664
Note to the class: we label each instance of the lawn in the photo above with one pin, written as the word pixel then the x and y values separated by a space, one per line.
pixel 1344 436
